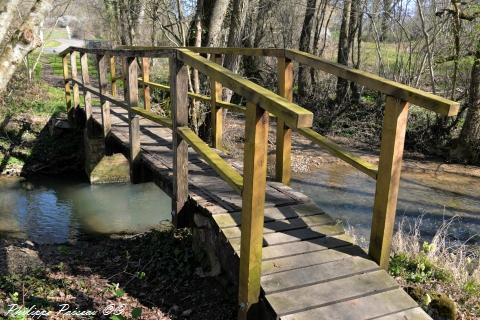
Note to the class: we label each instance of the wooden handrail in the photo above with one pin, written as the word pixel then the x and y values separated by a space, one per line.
pixel 164 121
pixel 294 115
pixel 366 167
pixel 223 168
pixel 372 81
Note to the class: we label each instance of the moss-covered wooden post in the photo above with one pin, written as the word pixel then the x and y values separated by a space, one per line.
pixel 284 133
pixel 102 85
pixel 146 78
pixel 217 112
pixel 86 94
pixel 179 98
pixel 113 75
pixel 133 119
pixel 76 92
pixel 253 201
pixel 388 180
pixel 68 90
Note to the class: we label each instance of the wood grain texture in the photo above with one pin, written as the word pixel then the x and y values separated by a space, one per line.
pixel 105 104
pixel 66 80
pixel 388 181
pixel 178 94
pixel 113 75
pixel 146 78
pixel 87 94
pixel 216 109
pixel 283 169
pixel 76 92
pixel 253 201
pixel 133 118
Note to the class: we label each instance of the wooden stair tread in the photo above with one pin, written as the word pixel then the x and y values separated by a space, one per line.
pixel 363 308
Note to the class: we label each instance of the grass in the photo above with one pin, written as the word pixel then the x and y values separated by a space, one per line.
pixel 442 275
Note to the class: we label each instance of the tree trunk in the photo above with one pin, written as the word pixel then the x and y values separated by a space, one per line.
pixel 304 83
pixel 343 49
pixel 470 135
pixel 235 34
pixel 7 13
pixel 24 40
pixel 387 11
pixel 216 22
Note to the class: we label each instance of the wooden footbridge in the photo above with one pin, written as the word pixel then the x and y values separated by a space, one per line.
pixel 291 260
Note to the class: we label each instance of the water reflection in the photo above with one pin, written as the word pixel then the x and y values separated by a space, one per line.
pixel 56 210
pixel 348 194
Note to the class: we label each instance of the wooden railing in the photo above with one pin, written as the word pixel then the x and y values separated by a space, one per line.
pixel 261 103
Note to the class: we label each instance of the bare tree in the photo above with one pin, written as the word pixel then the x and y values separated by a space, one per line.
pixel 304 77
pixel 24 39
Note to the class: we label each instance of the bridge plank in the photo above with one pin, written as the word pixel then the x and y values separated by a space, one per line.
pixel 411 314
pixel 330 292
pixel 288 224
pixel 329 271
pixel 233 219
pixel 310 259
pixel 362 308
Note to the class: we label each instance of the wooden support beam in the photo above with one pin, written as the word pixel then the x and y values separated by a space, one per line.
pixel 76 93
pixel 217 111
pixel 133 118
pixel 284 133
pixel 146 78
pixel 388 180
pixel 68 90
pixel 253 202
pixel 102 85
pixel 124 74
pixel 179 98
pixel 113 75
pixel 86 94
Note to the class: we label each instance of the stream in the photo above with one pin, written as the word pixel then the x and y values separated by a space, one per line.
pixel 347 194
pixel 55 210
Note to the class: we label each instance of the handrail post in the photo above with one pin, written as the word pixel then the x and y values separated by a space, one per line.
pixel 253 202
pixel 133 119
pixel 179 96
pixel 76 93
pixel 68 90
pixel 388 180
pixel 102 86
pixel 124 70
pixel 217 112
pixel 284 133
pixel 87 94
pixel 146 78
pixel 113 75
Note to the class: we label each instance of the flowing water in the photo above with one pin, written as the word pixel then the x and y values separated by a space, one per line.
pixel 54 210
pixel 347 194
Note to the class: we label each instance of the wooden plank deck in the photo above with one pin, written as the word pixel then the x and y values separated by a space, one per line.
pixel 310 268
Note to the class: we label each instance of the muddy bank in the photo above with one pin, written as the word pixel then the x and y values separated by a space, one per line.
pixel 35 144
pixel 156 272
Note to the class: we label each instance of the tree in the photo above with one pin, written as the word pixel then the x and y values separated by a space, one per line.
pixel 343 49
pixel 305 40
pixel 24 39
pixel 217 16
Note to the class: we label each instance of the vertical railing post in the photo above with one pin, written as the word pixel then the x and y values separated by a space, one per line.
pixel 178 94
pixel 217 112
pixel 113 75
pixel 124 70
pixel 76 93
pixel 388 179
pixel 284 133
pixel 133 119
pixel 87 94
pixel 102 85
pixel 253 201
pixel 146 78
pixel 68 90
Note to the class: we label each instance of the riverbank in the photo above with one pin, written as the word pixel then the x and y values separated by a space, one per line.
pixel 154 275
